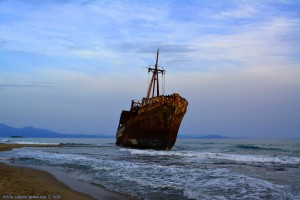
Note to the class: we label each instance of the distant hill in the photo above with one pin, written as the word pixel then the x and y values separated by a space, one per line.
pixel 31 132
pixel 202 136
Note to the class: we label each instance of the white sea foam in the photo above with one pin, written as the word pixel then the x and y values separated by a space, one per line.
pixel 196 183
pixel 234 186
pixel 8 141
pixel 159 153
pixel 52 158
pixel 152 184
pixel 251 158
pixel 187 174
pixel 38 143
pixel 102 168
pixel 219 156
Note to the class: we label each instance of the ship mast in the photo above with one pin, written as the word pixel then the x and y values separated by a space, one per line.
pixel 154 80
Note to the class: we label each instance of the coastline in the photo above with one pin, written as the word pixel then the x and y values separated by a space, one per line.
pixel 29 182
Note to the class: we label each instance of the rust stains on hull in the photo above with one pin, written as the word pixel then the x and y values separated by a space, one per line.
pixel 153 125
pixel 154 122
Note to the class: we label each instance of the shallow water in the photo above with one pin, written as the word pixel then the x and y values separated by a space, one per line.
pixel 193 169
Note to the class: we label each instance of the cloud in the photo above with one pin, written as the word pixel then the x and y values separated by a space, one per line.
pixel 81 55
pixel 242 10
pixel 73 20
pixel 116 30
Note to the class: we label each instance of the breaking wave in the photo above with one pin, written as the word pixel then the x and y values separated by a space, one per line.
pixel 219 156
pixel 7 141
pixel 158 153
pixel 181 173
pixel 253 147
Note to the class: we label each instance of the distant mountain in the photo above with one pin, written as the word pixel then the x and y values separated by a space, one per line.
pixel 203 136
pixel 31 132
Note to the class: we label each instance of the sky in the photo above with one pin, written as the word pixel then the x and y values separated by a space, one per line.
pixel 73 66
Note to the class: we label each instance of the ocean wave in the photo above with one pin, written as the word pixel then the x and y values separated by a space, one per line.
pixel 25 142
pixel 253 147
pixel 8 141
pixel 50 157
pixel 233 186
pixel 159 153
pixel 74 144
pixel 197 183
pixel 71 144
pixel 219 156
pixel 252 158
pixel 39 143
pixel 175 172
pixel 152 184
pixel 4 140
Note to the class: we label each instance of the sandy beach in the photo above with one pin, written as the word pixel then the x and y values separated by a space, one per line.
pixel 25 183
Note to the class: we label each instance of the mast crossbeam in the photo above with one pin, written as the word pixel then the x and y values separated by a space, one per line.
pixel 154 80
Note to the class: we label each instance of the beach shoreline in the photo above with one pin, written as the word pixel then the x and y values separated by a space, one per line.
pixel 31 182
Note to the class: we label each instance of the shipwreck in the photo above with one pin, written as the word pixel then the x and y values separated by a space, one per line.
pixel 153 122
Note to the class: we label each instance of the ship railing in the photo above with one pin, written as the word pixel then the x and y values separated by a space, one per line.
pixel 159 99
pixel 135 105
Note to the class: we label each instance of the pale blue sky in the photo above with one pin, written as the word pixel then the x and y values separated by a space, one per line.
pixel 72 66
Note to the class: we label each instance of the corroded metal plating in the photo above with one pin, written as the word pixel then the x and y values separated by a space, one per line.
pixel 154 125
pixel 153 122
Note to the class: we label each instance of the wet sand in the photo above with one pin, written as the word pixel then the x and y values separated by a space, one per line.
pixel 26 183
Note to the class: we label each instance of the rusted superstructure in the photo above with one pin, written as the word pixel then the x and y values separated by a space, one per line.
pixel 153 122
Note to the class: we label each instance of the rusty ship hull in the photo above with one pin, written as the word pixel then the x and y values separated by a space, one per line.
pixel 154 122
pixel 153 125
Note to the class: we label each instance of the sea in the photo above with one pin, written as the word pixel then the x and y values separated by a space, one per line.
pixel 193 169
